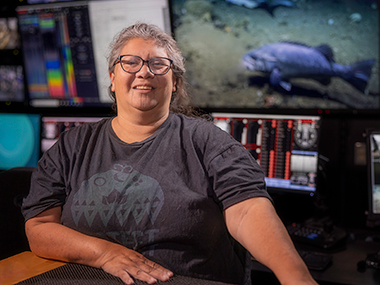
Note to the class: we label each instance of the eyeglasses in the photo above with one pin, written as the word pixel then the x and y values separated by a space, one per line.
pixel 133 64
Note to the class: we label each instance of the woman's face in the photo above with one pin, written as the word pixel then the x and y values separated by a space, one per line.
pixel 143 91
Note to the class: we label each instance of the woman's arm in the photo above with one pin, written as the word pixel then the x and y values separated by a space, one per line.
pixel 50 239
pixel 255 224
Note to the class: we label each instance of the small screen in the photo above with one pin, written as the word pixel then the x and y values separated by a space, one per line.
pixel 52 127
pixel 286 147
pixel 59 62
pixel 12 88
pixel 375 172
pixel 11 83
pixel 9 37
pixel 19 140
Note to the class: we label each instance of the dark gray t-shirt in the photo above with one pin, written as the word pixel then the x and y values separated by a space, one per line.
pixel 163 197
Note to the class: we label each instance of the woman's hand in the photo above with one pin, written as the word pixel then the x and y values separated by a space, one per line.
pixel 50 239
pixel 126 263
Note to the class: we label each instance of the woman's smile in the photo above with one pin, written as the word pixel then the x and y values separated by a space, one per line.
pixel 143 87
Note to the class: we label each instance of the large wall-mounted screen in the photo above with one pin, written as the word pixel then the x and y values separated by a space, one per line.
pixel 290 54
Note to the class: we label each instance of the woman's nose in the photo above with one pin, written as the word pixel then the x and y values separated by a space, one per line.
pixel 145 71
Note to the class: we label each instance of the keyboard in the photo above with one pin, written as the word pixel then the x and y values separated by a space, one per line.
pixel 314 235
pixel 85 275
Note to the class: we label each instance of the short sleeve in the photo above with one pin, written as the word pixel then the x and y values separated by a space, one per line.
pixel 236 176
pixel 47 189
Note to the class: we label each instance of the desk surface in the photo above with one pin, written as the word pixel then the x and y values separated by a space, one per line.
pixel 27 268
pixel 23 266
pixel 344 270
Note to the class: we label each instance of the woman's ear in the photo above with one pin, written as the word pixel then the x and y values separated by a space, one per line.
pixel 112 77
pixel 174 89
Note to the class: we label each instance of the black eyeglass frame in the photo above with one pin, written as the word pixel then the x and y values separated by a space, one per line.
pixel 118 59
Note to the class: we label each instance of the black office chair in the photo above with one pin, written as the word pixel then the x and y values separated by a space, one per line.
pixel 14 186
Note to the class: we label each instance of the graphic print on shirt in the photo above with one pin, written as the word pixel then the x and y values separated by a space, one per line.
pixel 121 191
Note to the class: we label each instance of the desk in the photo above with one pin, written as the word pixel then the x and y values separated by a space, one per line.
pixel 23 266
pixel 26 265
pixel 343 269
pixel 344 266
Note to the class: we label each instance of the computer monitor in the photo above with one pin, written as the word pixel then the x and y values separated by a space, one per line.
pixel 373 156
pixel 243 54
pixel 65 45
pixel 12 91
pixel 285 146
pixel 19 140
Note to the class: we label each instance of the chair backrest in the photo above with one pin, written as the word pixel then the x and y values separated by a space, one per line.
pixel 14 186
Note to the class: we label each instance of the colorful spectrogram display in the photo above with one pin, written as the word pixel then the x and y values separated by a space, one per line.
pixel 48 55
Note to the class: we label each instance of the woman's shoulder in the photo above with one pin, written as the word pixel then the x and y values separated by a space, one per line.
pixel 194 121
pixel 203 129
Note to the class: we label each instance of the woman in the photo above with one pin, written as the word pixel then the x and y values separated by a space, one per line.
pixel 153 192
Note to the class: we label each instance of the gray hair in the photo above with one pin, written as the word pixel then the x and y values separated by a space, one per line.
pixel 180 102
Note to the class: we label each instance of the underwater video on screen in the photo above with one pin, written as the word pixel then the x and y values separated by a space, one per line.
pixel 284 54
